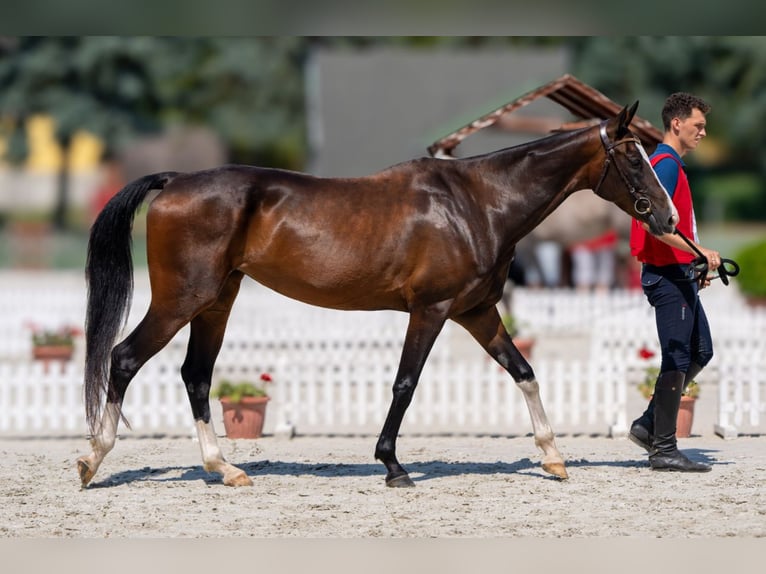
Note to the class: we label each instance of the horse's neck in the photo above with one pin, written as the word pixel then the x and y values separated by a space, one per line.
pixel 531 183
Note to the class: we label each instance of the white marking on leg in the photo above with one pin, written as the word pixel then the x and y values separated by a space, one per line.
pixel 213 460
pixel 544 438
pixel 101 443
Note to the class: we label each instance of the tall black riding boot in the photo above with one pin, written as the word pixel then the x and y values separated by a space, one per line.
pixel 665 454
pixel 642 429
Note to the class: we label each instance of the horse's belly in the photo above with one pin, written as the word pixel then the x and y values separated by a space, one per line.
pixel 334 292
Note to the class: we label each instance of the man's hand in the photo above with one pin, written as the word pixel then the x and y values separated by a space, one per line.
pixel 712 256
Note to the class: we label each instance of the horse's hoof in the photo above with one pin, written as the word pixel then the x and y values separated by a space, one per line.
pixel 556 469
pixel 85 472
pixel 239 479
pixel 399 481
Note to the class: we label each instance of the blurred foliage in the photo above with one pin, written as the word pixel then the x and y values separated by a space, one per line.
pixel 727 71
pixel 752 260
pixel 724 195
pixel 235 392
pixel 248 89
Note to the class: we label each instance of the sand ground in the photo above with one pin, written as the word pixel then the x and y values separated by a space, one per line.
pixel 331 487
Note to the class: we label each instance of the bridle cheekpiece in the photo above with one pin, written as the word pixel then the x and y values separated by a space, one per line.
pixel 642 204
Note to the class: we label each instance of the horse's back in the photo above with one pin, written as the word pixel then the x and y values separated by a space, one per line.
pixel 361 243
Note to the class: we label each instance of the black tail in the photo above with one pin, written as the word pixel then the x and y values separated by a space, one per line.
pixel 109 275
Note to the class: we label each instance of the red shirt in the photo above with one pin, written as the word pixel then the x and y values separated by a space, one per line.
pixel 647 248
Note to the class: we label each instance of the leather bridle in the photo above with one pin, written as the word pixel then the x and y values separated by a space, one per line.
pixel 642 205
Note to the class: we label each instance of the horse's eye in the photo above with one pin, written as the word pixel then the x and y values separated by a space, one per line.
pixel 635 161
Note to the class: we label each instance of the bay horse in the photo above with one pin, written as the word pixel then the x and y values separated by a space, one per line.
pixel 430 237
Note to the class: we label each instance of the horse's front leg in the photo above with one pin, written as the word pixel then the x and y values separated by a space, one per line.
pixel 487 328
pixel 205 339
pixel 424 326
pixel 213 460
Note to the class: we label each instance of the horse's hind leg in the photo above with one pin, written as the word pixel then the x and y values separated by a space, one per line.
pixel 487 328
pixel 207 331
pixel 101 443
pixel 146 340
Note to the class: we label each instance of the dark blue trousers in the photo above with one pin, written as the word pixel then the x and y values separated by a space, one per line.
pixel 682 326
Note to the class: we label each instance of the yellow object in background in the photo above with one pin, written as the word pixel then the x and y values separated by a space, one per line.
pixel 45 154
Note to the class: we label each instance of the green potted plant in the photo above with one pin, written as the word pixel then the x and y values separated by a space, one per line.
pixel 244 406
pixel 53 344
pixel 523 344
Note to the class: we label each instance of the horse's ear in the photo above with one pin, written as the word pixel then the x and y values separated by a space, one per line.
pixel 625 117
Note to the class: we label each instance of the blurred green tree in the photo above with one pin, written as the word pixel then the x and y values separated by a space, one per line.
pixel 729 71
pixel 250 90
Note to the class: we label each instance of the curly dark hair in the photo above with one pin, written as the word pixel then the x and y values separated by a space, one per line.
pixel 681 105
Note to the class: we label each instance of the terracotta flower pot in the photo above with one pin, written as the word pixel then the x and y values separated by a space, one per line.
pixel 52 352
pixel 244 419
pixel 49 355
pixel 685 417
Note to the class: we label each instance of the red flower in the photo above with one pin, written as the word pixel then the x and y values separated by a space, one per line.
pixel 75 331
pixel 645 353
pixel 266 378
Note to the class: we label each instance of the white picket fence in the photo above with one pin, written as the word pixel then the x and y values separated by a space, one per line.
pixel 334 396
pixel 741 370
pixel 41 402
pixel 334 370
pixel 738 369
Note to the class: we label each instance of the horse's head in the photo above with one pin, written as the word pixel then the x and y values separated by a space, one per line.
pixel 627 178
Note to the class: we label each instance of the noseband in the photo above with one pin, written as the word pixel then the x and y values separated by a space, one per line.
pixel 642 204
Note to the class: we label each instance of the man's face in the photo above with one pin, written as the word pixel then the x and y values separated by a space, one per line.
pixel 691 130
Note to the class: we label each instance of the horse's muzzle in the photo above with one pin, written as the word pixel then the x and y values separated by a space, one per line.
pixel 659 227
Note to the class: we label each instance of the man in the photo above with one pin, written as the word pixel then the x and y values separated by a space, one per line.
pixel 682 326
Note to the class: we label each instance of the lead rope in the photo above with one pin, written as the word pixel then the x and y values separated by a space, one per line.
pixel 727 268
